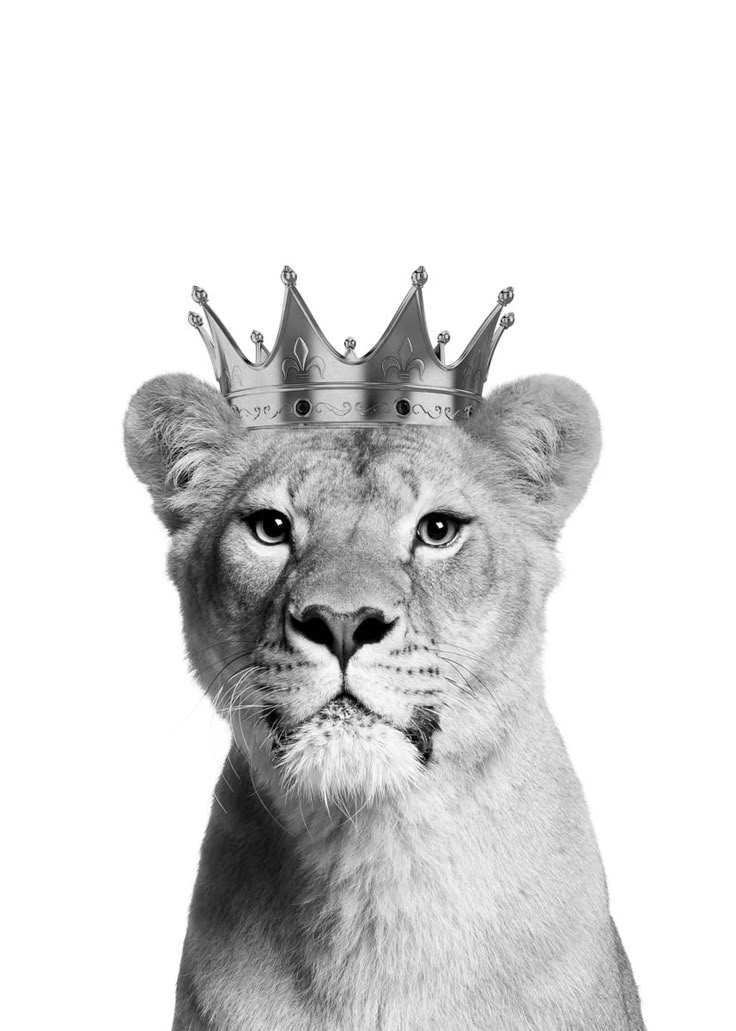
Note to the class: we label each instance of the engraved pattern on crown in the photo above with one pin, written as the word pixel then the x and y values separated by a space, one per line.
pixel 472 378
pixel 301 364
pixel 404 365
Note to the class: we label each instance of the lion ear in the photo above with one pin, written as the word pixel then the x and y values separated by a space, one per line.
pixel 547 431
pixel 173 427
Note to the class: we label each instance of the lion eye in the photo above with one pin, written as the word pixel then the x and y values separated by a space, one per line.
pixel 269 526
pixel 438 529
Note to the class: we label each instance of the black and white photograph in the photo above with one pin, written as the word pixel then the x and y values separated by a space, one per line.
pixel 369 506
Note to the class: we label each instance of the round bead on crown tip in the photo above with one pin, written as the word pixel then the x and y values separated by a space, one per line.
pixel 199 295
pixel 288 276
pixel 506 296
pixel 256 337
pixel 195 319
pixel 508 320
pixel 420 276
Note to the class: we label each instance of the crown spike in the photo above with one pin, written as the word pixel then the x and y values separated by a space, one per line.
pixel 262 351
pixel 442 341
pixel 225 353
pixel 196 320
pixel 299 336
pixel 349 345
pixel 408 324
pixel 489 333
pixel 505 322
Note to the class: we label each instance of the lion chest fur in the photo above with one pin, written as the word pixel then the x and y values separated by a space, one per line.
pixel 435 912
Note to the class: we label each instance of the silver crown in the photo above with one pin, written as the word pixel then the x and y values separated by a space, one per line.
pixel 304 381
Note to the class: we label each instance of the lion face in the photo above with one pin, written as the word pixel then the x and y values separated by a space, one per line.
pixel 363 606
pixel 362 579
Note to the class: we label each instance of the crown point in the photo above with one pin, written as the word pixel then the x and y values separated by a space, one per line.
pixel 508 320
pixel 199 295
pixel 506 296
pixel 419 277
pixel 288 276
pixel 261 352
pixel 195 319
pixel 349 344
pixel 443 339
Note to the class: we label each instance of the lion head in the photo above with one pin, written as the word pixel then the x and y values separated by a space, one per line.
pixel 364 606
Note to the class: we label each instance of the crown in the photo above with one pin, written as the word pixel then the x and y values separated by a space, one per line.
pixel 303 380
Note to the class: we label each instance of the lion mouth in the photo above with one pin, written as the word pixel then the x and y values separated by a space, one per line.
pixel 346 707
pixel 345 710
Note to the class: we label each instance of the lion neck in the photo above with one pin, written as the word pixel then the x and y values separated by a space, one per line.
pixel 443 882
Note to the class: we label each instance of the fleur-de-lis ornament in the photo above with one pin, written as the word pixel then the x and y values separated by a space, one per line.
pixel 473 378
pixel 301 364
pixel 403 365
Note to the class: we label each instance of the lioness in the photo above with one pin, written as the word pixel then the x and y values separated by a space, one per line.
pixel 398 840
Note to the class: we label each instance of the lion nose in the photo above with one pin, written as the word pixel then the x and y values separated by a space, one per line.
pixel 342 633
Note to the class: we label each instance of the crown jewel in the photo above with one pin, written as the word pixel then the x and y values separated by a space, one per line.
pixel 303 380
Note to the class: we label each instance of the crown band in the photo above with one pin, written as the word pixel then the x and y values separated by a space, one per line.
pixel 304 381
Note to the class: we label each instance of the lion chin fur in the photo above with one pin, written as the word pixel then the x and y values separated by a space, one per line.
pixel 397 840
pixel 355 766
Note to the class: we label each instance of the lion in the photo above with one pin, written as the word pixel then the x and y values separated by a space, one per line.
pixel 397 840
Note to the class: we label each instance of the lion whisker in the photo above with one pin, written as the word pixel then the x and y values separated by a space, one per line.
pixel 253 778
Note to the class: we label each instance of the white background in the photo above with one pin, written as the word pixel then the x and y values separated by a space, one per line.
pixel 579 151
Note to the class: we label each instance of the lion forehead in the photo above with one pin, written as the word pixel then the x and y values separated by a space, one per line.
pixel 393 469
